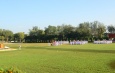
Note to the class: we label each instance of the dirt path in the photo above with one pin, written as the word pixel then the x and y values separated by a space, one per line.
pixel 7 49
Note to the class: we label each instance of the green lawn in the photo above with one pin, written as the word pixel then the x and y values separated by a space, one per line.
pixel 41 58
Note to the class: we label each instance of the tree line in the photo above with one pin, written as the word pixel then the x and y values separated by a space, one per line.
pixel 9 36
pixel 89 31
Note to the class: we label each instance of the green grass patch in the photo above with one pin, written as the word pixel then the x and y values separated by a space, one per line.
pixel 41 58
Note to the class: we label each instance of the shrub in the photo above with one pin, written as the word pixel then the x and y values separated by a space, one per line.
pixel 10 70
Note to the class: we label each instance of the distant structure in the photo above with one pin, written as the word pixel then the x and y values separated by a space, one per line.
pixel 1 46
pixel 111 35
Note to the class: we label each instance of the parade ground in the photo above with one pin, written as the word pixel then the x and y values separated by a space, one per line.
pixel 44 58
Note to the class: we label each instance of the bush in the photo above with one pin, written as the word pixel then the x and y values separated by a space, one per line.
pixel 10 70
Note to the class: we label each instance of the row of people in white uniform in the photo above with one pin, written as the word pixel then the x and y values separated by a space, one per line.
pixel 103 42
pixel 56 43
pixel 95 42
pixel 78 42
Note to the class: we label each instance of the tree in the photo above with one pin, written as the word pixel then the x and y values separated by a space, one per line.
pixel 16 37
pixel 111 29
pixel 84 30
pixel 97 29
pixel 60 32
pixel 68 30
pixel 94 27
pixel 35 34
pixel 1 32
pixel 33 31
pixel 1 35
pixel 51 33
pixel 101 30
pixel 51 30
pixel 21 36
pixel 2 38
pixel 7 34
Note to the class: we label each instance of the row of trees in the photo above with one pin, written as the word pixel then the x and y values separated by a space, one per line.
pixel 8 36
pixel 84 31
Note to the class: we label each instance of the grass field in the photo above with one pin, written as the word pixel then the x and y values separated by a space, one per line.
pixel 41 58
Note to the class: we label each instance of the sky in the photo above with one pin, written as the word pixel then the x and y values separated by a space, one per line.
pixel 22 15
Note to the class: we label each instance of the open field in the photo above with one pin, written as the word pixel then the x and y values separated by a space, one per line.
pixel 41 58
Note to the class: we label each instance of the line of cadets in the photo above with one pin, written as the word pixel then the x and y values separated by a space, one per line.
pixel 74 42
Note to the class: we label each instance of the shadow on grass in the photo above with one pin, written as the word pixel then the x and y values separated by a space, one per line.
pixel 73 49
pixel 112 64
pixel 85 50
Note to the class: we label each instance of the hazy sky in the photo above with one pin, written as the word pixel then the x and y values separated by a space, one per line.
pixel 22 15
